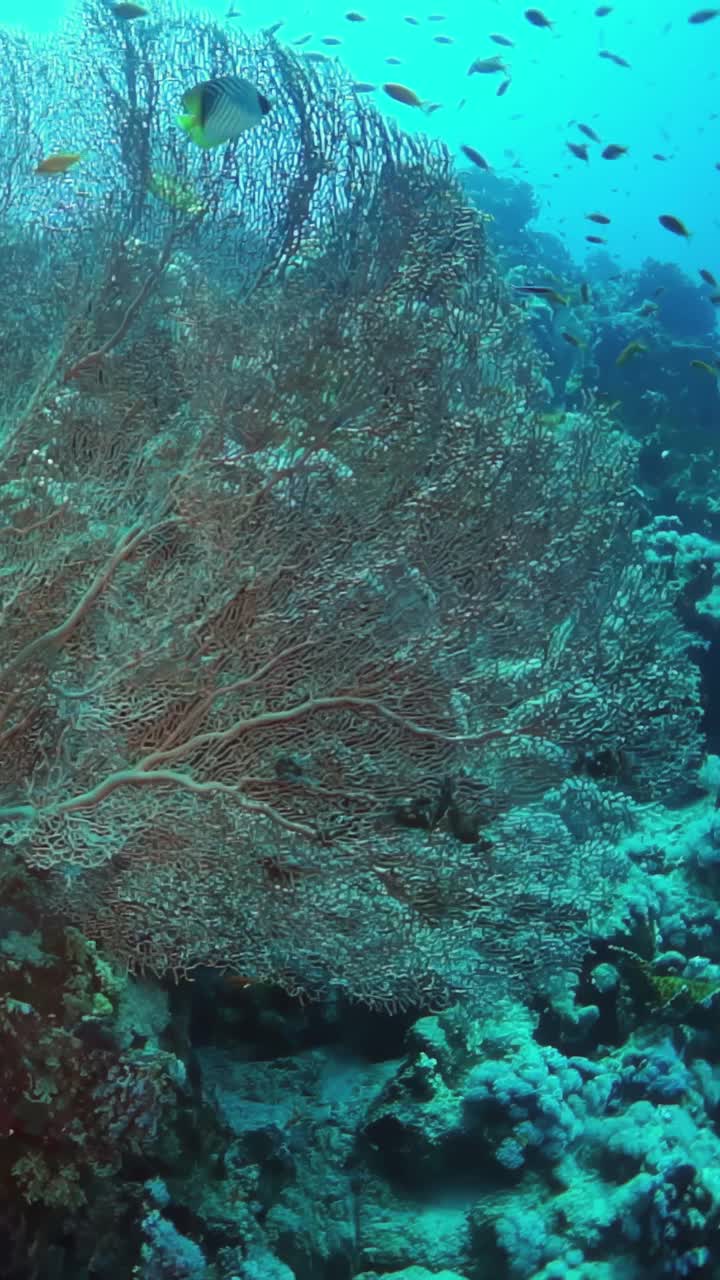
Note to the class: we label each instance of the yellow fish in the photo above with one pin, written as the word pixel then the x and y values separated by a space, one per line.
pixel 401 93
pixel 176 192
pixel 59 161
pixel 632 349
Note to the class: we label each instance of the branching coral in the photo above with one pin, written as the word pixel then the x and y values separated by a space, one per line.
pixel 308 606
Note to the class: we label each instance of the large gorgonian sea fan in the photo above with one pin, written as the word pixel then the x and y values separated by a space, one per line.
pixel 325 657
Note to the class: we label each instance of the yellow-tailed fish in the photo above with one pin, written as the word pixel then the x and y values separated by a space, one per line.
pixel 671 223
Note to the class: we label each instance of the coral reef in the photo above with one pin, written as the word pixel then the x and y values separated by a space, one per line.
pixel 359 852
pixel 310 605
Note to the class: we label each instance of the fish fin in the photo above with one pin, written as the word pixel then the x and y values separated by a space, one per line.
pixel 193 129
pixel 192 116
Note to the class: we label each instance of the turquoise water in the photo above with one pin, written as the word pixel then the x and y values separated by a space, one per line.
pixel 667 102
pixel 359 647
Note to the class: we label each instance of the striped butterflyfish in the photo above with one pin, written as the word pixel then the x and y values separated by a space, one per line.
pixel 219 110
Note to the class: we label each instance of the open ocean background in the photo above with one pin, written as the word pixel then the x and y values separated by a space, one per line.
pixel 667 102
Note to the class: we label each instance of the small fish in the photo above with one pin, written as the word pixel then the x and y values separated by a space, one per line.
pixel 579 149
pixel 401 93
pixel 364 86
pixel 129 11
pixel 443 39
pixel 331 40
pixel 603 10
pixel 708 277
pixel 632 349
pixel 705 367
pixel 220 110
pixel 393 62
pixel 613 150
pixel 238 981
pixel 504 40
pixel 658 156
pixel 572 338
pixel 270 31
pixel 614 57
pixel 703 15
pixel 671 223
pixel 596 239
pixel 314 55
pixel 175 192
pixel 589 133
pixel 354 16
pixel 436 17
pixel 715 299
pixel 59 162
pixel 602 218
pixel 537 18
pixel 502 88
pixel 414 22
pixel 304 39
pixel 475 156
pixel 486 66
pixel 543 291
pixel 585 292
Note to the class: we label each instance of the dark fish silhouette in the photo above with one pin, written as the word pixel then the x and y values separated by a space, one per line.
pixel 614 57
pixel 671 223
pixel 703 15
pixel 537 18
pixel 475 156
pixel 589 133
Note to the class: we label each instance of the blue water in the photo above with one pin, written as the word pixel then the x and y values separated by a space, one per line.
pixel 667 102
pixel 359 649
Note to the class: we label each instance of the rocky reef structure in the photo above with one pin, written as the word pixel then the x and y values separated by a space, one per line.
pixel 330 662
